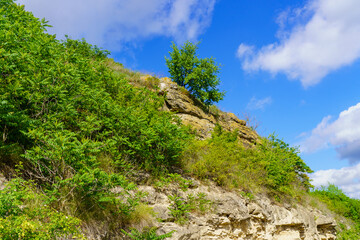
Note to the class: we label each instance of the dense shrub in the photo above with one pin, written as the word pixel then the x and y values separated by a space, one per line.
pixel 63 94
pixel 343 205
pixel 24 214
pixel 78 126
pixel 80 129
pixel 271 164
pixel 284 167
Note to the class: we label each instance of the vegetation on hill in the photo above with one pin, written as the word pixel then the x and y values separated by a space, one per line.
pixel 343 205
pixel 75 128
pixel 272 166
pixel 198 75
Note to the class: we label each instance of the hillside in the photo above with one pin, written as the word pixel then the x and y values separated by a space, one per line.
pixel 92 150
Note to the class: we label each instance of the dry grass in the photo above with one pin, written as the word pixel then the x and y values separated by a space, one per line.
pixel 135 78
pixel 142 217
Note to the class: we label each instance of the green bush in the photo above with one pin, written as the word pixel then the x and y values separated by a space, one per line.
pixel 345 233
pixel 283 165
pixel 271 165
pixel 343 205
pixel 78 126
pixel 66 96
pixel 200 203
pixel 179 208
pixel 25 214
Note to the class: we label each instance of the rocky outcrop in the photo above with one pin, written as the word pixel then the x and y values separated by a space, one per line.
pixel 200 117
pixel 233 216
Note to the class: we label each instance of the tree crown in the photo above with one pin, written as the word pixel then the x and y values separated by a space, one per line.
pixel 198 75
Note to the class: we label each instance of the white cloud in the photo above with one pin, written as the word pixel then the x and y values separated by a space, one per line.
pixel 109 23
pixel 343 133
pixel 347 178
pixel 244 50
pixel 256 104
pixel 324 36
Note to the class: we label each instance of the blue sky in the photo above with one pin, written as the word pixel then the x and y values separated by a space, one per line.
pixel 292 66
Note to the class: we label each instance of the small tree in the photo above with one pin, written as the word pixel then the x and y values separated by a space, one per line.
pixel 197 75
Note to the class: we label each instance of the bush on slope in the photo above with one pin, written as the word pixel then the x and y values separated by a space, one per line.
pixel 77 126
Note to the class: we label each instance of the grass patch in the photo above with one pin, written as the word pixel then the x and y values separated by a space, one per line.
pixel 272 166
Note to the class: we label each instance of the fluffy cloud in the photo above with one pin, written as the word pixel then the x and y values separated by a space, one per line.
pixel 343 133
pixel 256 104
pixel 110 23
pixel 347 178
pixel 323 36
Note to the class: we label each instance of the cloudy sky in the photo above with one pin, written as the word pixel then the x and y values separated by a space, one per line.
pixel 292 65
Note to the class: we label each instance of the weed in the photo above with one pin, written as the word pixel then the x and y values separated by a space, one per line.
pixel 174 178
pixel 339 203
pixel 200 203
pixel 247 195
pixel 215 111
pixel 146 234
pixel 179 209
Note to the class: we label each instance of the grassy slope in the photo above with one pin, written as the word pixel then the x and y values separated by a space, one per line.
pixel 74 128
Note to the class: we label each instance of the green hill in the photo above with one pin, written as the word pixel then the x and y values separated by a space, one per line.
pixel 75 126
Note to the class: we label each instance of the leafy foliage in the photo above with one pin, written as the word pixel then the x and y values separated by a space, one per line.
pixel 182 206
pixel 198 75
pixel 200 203
pixel 343 205
pixel 179 208
pixel 78 126
pixel 24 214
pixel 271 164
pixel 173 178
pixel 146 234
pixel 81 129
pixel 283 164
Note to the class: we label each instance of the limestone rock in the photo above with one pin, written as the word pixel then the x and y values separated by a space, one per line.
pixel 3 181
pixel 232 216
pixel 235 217
pixel 195 114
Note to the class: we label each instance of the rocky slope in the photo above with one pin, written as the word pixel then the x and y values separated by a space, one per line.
pixel 233 216
pixel 202 119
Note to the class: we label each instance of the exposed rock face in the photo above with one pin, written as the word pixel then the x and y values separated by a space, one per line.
pixel 235 217
pixel 3 181
pixel 193 113
pixel 232 216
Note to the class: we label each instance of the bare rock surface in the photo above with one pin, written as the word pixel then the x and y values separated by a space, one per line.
pixel 195 114
pixel 233 216
pixel 3 181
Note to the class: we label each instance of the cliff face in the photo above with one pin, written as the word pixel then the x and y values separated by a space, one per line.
pixel 203 120
pixel 232 216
